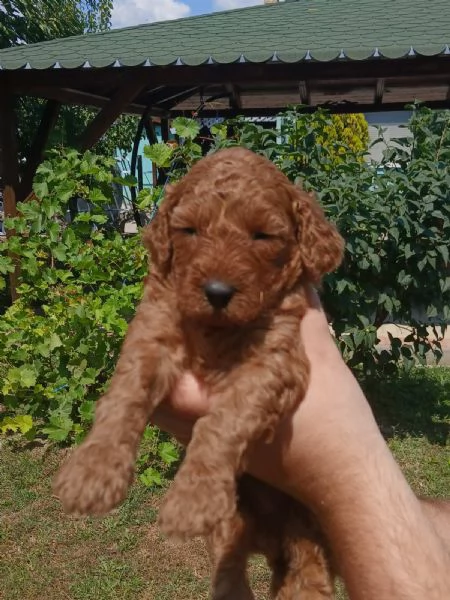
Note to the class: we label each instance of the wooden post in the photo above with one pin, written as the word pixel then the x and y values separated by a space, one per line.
pixel 140 173
pixel 126 93
pixel 162 172
pixel 150 131
pixel 10 172
pixel 134 161
pixel 35 156
pixel 153 139
pixel 165 130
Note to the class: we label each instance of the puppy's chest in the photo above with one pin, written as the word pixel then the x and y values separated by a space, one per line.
pixel 217 356
pixel 212 356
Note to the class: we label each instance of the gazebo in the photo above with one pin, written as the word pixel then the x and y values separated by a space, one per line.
pixel 347 55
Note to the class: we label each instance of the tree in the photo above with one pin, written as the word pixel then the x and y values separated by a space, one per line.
pixel 343 133
pixel 32 21
pixel 396 224
pixel 350 130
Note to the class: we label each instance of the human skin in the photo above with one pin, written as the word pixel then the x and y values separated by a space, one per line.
pixel 330 455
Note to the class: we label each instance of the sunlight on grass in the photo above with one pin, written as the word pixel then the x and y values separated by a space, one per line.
pixel 46 554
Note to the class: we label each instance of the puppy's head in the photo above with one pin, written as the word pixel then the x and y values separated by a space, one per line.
pixel 234 235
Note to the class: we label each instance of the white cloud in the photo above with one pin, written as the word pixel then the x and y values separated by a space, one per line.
pixel 135 12
pixel 229 4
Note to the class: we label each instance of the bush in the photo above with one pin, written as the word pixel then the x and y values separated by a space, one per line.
pixel 396 226
pixel 343 133
pixel 79 285
pixel 80 281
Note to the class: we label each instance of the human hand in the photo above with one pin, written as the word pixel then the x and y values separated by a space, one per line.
pixel 330 455
pixel 307 442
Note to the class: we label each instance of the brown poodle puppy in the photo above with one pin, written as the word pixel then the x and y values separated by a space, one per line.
pixel 233 247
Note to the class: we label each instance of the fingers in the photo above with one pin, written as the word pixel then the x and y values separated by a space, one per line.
pixel 188 402
pixel 315 332
pixel 188 398
pixel 178 414
pixel 180 429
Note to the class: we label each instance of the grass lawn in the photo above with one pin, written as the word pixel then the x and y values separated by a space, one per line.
pixel 47 555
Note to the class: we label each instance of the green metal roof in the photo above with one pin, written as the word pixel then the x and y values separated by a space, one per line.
pixel 295 30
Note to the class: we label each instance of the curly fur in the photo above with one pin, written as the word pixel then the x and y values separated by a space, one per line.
pixel 233 218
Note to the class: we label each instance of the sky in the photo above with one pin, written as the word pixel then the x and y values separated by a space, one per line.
pixel 135 12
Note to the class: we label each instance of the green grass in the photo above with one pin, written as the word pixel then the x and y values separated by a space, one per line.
pixel 47 555
pixel 413 412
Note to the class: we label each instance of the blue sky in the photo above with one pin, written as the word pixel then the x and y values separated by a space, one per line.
pixel 135 12
pixel 200 7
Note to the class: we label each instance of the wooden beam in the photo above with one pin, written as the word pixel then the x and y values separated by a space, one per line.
pixel 244 73
pixel 36 153
pixel 199 110
pixel 305 95
pixel 126 93
pixel 415 74
pixel 169 96
pixel 379 92
pixel 338 108
pixel 78 97
pixel 10 173
pixel 235 96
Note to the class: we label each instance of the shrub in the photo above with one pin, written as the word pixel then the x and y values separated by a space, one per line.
pixel 80 281
pixel 343 133
pixel 396 226
pixel 79 285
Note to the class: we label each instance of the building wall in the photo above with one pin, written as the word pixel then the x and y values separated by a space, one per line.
pixel 394 125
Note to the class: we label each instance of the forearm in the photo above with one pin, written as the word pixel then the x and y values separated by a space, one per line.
pixel 340 466
pixel 381 539
pixel 330 455
pixel 438 512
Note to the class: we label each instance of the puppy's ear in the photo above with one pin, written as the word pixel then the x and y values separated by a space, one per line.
pixel 321 246
pixel 156 235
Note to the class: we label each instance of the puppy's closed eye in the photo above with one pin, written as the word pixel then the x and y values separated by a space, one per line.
pixel 187 230
pixel 262 235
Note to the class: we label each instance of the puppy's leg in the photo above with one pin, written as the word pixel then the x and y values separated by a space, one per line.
pixel 303 572
pixel 98 474
pixel 256 396
pixel 228 546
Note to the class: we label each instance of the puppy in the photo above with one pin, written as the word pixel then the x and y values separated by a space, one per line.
pixel 233 248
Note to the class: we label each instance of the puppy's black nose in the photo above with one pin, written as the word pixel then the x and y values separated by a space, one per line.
pixel 218 293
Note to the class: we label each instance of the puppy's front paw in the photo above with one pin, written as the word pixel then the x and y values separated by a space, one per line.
pixel 95 479
pixel 194 504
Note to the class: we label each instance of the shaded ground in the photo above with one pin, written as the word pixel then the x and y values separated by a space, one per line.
pixel 402 331
pixel 46 555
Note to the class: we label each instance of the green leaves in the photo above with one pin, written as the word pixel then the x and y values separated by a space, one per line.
pixel 18 424
pixel 86 411
pixel 81 281
pixel 151 477
pixel 79 287
pixel 186 128
pixel 59 428
pixel 59 252
pixel 24 376
pixel 159 154
pixel 168 453
pixel 158 457
pixel 6 265
pixel 40 188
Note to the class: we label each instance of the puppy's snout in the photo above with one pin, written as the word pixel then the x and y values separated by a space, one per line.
pixel 218 293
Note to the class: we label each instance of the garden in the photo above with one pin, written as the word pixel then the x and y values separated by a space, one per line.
pixel 80 279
